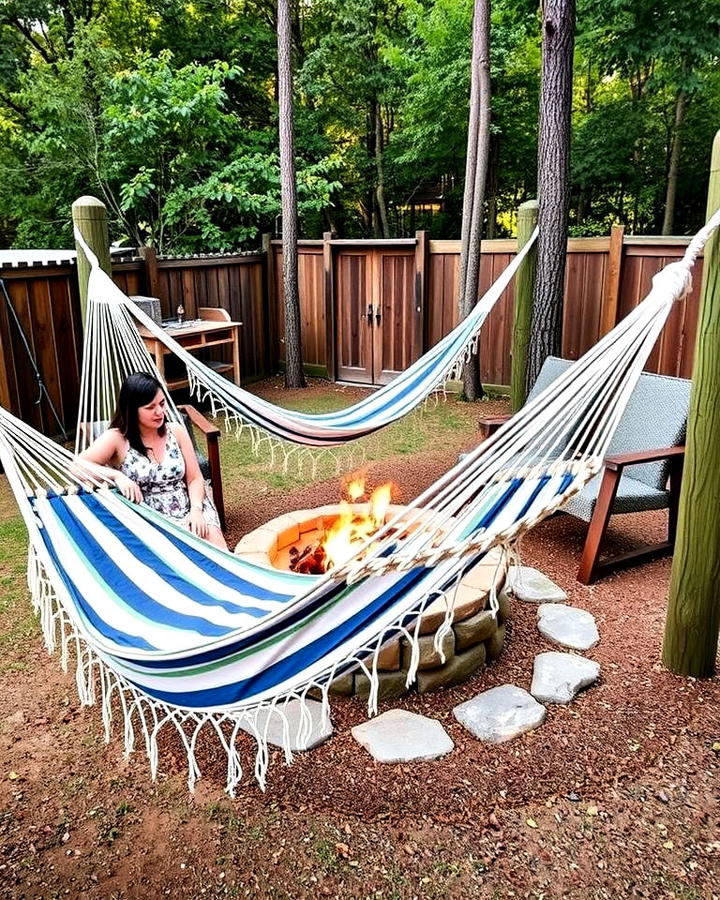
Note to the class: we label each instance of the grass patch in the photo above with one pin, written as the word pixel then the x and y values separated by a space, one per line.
pixel 442 424
pixel 17 620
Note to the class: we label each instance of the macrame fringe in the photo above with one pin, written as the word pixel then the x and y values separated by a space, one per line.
pixel 283 456
pixel 98 684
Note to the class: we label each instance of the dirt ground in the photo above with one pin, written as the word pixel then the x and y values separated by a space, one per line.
pixel 617 795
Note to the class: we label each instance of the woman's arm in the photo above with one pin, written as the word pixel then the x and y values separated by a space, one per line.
pixel 99 454
pixel 193 479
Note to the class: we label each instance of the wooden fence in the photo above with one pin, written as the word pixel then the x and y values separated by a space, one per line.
pixel 413 284
pixel 369 308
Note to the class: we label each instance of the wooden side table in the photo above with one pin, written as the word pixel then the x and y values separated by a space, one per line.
pixel 214 330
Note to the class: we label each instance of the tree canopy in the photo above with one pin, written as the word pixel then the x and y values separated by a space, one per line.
pixel 167 110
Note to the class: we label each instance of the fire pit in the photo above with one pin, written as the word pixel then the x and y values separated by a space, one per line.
pixel 476 636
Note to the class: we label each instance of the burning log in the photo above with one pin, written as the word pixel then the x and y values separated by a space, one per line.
pixel 311 561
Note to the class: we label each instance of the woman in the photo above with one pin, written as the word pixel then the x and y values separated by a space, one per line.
pixel 152 460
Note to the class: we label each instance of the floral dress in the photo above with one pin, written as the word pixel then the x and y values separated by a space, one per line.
pixel 163 484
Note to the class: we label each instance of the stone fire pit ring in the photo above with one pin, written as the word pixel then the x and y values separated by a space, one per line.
pixel 476 638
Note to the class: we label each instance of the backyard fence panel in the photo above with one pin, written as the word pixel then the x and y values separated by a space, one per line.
pixel 312 305
pixel 46 301
pixel 496 335
pixel 586 275
pixel 442 312
pixel 644 258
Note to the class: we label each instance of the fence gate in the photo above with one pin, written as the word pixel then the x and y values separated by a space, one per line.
pixel 375 313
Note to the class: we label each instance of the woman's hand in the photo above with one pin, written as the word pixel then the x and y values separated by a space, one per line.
pixel 128 488
pixel 197 523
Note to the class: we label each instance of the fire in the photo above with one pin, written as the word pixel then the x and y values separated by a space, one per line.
pixel 355 523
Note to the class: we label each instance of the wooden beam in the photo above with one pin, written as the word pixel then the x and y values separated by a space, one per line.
pixel 421 260
pixel 329 304
pixel 611 300
pixel 90 218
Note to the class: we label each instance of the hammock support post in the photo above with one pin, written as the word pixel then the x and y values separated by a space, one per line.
pixel 524 287
pixel 89 215
pixel 693 616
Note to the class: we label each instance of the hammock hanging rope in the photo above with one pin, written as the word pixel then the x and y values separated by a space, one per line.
pixel 181 633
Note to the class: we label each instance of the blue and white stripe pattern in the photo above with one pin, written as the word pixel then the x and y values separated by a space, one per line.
pixel 194 626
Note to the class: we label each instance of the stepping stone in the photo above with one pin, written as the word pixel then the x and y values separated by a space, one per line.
pixel 400 736
pixel 321 729
pixel 567 626
pixel 500 714
pixel 559 677
pixel 532 586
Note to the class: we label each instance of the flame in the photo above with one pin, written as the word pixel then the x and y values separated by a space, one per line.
pixel 355 522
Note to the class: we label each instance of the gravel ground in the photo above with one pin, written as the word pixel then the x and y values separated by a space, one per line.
pixel 616 795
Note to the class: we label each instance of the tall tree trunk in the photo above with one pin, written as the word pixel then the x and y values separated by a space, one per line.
pixel 669 218
pixel 380 186
pixel 475 177
pixel 294 376
pixel 492 187
pixel 553 181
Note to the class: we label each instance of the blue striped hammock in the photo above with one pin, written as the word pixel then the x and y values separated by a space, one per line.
pixel 113 349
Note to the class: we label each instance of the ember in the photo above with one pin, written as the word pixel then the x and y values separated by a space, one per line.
pixel 354 525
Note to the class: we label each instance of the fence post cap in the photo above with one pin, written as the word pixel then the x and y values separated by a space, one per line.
pixel 88 202
pixel 529 205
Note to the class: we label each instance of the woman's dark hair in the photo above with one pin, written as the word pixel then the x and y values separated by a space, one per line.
pixel 137 390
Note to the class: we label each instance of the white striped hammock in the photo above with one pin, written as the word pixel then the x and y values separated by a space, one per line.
pixel 113 349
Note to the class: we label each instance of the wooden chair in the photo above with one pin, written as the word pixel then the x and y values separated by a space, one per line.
pixel 208 456
pixel 210 459
pixel 642 471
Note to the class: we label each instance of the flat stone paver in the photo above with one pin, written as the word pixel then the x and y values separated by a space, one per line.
pixel 567 626
pixel 401 736
pixel 500 714
pixel 322 728
pixel 559 677
pixel 532 586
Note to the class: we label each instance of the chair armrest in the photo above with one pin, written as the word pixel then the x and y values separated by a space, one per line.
pixel 212 437
pixel 490 424
pixel 619 460
pixel 199 421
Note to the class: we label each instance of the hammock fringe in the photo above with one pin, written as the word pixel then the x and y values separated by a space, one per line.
pixel 98 684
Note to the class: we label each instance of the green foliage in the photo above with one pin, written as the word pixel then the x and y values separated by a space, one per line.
pixel 166 110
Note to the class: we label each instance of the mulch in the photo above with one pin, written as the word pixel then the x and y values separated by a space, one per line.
pixel 615 795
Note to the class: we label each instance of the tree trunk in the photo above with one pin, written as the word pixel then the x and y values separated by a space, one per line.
pixel 380 186
pixel 493 185
pixel 667 226
pixel 294 376
pixel 693 616
pixel 475 178
pixel 553 181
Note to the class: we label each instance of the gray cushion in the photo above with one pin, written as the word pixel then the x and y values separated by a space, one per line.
pixel 632 496
pixel 655 417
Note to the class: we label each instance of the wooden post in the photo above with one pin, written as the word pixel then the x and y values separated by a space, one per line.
pixel 421 265
pixel 524 288
pixel 90 217
pixel 151 280
pixel 693 616
pixel 608 314
pixel 329 304
pixel 271 304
